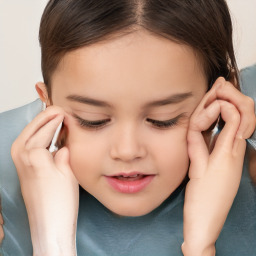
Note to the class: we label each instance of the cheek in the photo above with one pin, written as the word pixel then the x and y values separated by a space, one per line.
pixel 172 155
pixel 85 152
pixel 167 154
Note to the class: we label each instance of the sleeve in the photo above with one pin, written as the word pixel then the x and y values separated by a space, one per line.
pixel 17 239
pixel 248 87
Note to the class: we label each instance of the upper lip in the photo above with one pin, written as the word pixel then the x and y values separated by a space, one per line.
pixel 127 174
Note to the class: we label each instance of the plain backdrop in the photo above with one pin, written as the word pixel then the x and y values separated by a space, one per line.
pixel 20 52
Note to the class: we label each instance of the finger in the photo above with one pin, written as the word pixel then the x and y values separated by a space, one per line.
pixel 209 97
pixel 226 138
pixel 43 137
pixel 245 105
pixel 1 219
pixel 61 161
pixel 239 149
pixel 199 122
pixel 40 120
pixel 196 145
pixel 39 159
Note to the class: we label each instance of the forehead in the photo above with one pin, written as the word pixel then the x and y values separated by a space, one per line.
pixel 131 61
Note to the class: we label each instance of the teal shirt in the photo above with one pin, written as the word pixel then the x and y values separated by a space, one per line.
pixel 100 232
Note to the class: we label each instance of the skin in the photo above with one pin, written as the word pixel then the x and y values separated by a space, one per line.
pixel 252 164
pixel 120 72
pixel 128 74
pixel 1 227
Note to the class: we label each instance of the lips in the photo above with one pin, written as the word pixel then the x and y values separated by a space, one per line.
pixel 132 182
pixel 130 177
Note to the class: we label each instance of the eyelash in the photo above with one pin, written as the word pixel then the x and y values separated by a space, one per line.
pixel 91 124
pixel 101 123
pixel 163 124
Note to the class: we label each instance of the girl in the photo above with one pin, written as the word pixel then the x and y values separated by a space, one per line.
pixel 138 85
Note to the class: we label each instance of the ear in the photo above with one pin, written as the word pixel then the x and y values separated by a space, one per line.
pixel 42 93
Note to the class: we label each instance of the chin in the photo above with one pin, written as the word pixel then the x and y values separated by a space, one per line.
pixel 131 209
pixel 130 212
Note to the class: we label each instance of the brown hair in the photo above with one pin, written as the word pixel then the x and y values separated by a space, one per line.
pixel 205 25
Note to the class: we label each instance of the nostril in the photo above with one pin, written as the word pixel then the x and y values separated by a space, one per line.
pixel 128 153
pixel 127 145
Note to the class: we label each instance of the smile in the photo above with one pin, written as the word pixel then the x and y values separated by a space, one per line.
pixel 129 184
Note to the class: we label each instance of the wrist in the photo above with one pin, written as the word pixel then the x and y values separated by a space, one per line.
pixel 50 240
pixel 54 253
pixel 54 245
pixel 54 250
pixel 199 250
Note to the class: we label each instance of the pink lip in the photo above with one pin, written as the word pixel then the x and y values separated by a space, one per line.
pixel 129 186
pixel 128 174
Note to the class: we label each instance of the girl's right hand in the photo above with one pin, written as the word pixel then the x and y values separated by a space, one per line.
pixel 48 185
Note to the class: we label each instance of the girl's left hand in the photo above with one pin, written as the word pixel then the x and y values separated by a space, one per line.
pixel 1 227
pixel 215 176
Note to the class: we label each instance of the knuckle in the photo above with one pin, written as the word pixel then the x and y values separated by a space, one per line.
pixel 247 105
pixel 15 150
pixel 193 121
pixel 196 124
pixel 235 117
pixel 37 158
pixel 27 146
pixel 24 158
pixel 230 85
pixel 231 111
pixel 250 102
pixel 32 158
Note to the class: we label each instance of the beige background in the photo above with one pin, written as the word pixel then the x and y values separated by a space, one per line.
pixel 20 52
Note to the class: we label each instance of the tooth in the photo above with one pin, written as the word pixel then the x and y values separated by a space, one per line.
pixel 131 176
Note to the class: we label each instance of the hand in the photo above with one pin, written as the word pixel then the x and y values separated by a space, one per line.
pixel 1 226
pixel 252 164
pixel 48 186
pixel 215 176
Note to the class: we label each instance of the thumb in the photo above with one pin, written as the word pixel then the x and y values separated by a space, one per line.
pixel 62 162
pixel 61 159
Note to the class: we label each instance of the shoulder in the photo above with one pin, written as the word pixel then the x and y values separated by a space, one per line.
pixel 248 81
pixel 12 122
pixel 17 117
pixel 248 87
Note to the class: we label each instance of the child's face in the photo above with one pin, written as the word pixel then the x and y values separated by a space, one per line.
pixel 129 82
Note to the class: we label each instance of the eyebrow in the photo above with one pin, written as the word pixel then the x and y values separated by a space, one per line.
pixel 173 99
pixel 88 101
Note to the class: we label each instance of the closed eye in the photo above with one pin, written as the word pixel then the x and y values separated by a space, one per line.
pixel 97 124
pixel 91 124
pixel 166 123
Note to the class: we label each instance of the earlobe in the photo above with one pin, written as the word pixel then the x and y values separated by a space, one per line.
pixel 42 93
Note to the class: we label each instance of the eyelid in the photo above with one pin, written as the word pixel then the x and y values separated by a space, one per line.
pixel 166 123
pixel 96 124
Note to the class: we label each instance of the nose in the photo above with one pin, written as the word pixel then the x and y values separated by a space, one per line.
pixel 127 145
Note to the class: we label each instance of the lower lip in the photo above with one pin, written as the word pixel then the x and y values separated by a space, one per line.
pixel 134 186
